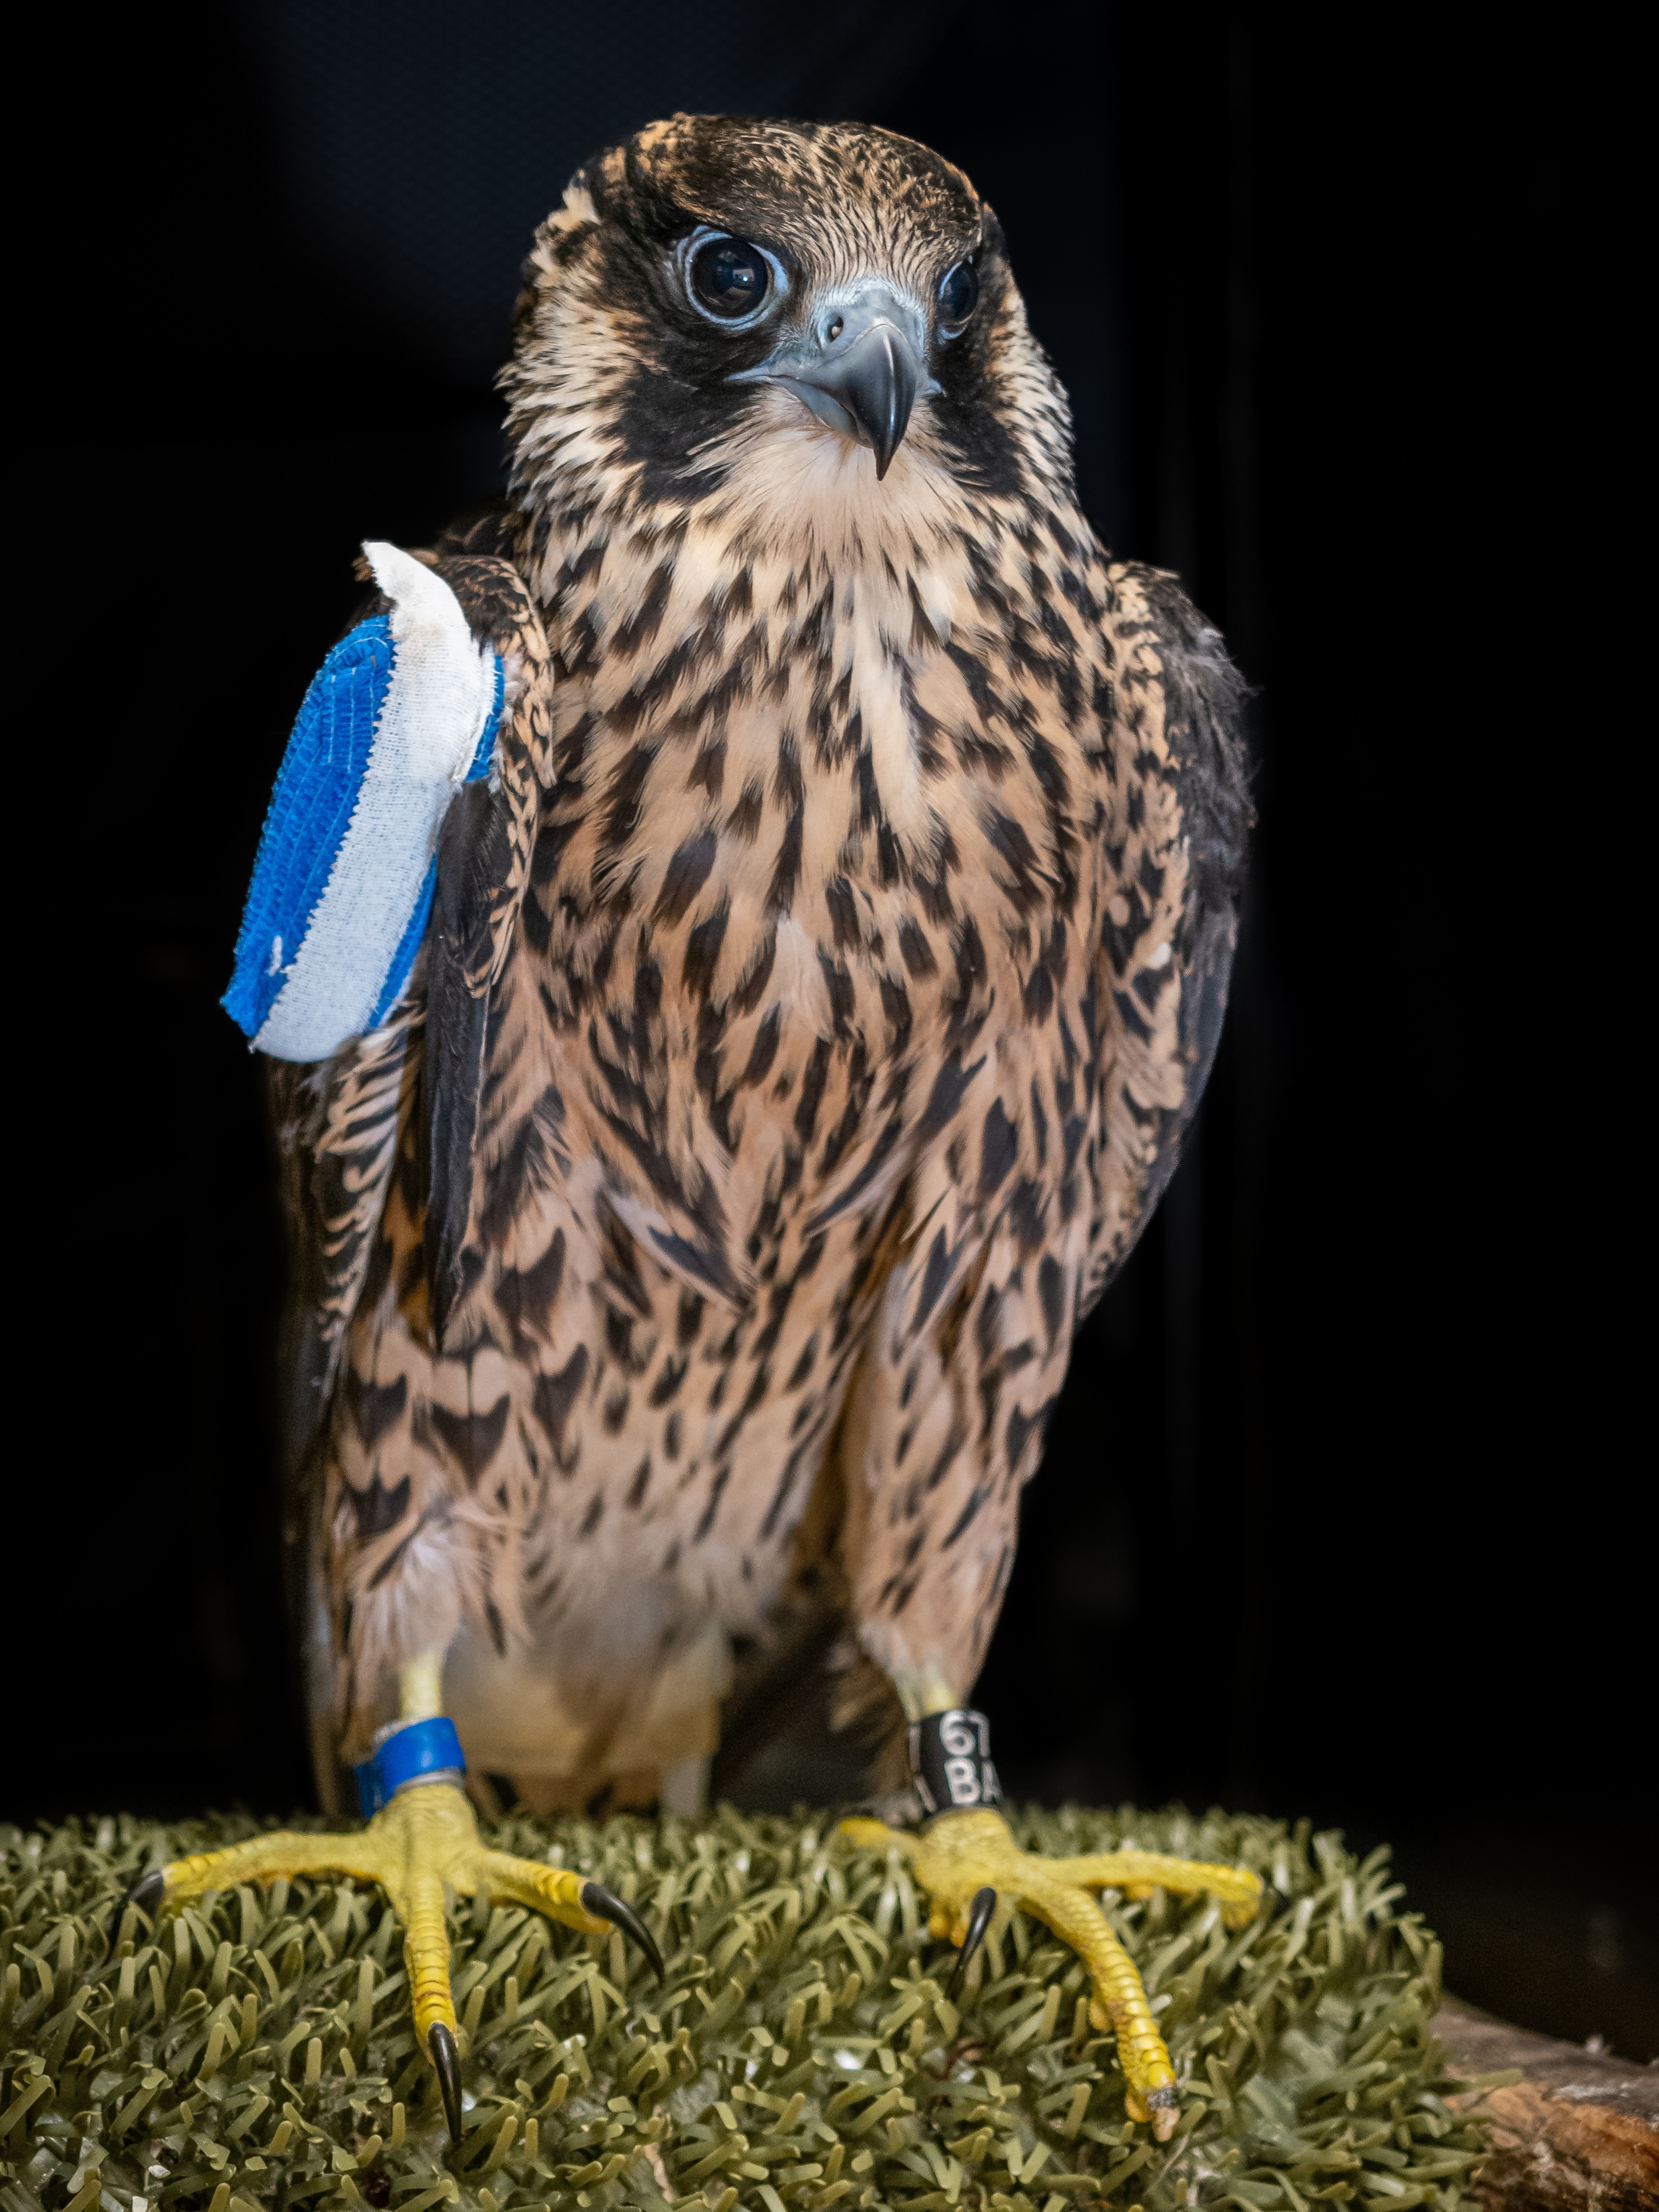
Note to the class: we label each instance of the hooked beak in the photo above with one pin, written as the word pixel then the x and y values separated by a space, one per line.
pixel 859 368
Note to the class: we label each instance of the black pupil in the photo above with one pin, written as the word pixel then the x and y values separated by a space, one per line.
pixel 958 292
pixel 729 277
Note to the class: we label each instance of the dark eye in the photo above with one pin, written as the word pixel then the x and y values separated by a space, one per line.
pixel 958 295
pixel 729 278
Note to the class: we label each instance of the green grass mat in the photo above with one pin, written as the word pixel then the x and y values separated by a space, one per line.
pixel 258 2050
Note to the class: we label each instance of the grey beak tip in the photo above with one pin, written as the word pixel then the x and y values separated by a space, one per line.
pixel 871 374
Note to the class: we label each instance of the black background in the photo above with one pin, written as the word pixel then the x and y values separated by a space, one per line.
pixel 1341 1513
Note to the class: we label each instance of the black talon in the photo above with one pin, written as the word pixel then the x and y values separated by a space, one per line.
pixel 980 1913
pixel 605 1904
pixel 146 1894
pixel 446 2063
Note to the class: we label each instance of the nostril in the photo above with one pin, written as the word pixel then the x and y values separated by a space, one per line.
pixel 832 330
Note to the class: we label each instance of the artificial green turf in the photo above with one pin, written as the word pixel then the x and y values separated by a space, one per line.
pixel 256 2049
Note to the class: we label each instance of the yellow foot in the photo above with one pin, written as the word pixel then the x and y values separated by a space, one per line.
pixel 965 1861
pixel 425 1836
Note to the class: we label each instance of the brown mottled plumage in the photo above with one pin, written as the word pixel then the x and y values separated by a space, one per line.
pixel 814 1003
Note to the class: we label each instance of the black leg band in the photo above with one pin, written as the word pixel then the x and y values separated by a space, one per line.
pixel 950 1762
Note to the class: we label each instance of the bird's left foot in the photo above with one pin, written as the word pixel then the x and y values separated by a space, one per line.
pixel 425 1836
pixel 967 1861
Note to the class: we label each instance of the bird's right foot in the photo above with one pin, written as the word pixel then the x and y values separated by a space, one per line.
pixel 424 1836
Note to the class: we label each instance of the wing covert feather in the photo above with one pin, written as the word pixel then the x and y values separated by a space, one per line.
pixel 339 1121
pixel 484 865
pixel 1171 920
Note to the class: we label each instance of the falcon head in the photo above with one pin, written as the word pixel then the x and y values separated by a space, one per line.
pixel 764 314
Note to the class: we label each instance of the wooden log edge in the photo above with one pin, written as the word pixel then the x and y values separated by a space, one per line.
pixel 1579 2132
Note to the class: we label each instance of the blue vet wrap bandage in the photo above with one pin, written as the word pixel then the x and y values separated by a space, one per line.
pixel 405 710
pixel 422 1748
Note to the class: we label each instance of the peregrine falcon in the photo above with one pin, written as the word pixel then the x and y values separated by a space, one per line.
pixel 824 949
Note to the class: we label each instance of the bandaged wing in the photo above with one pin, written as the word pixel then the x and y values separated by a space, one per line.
pixel 403 711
